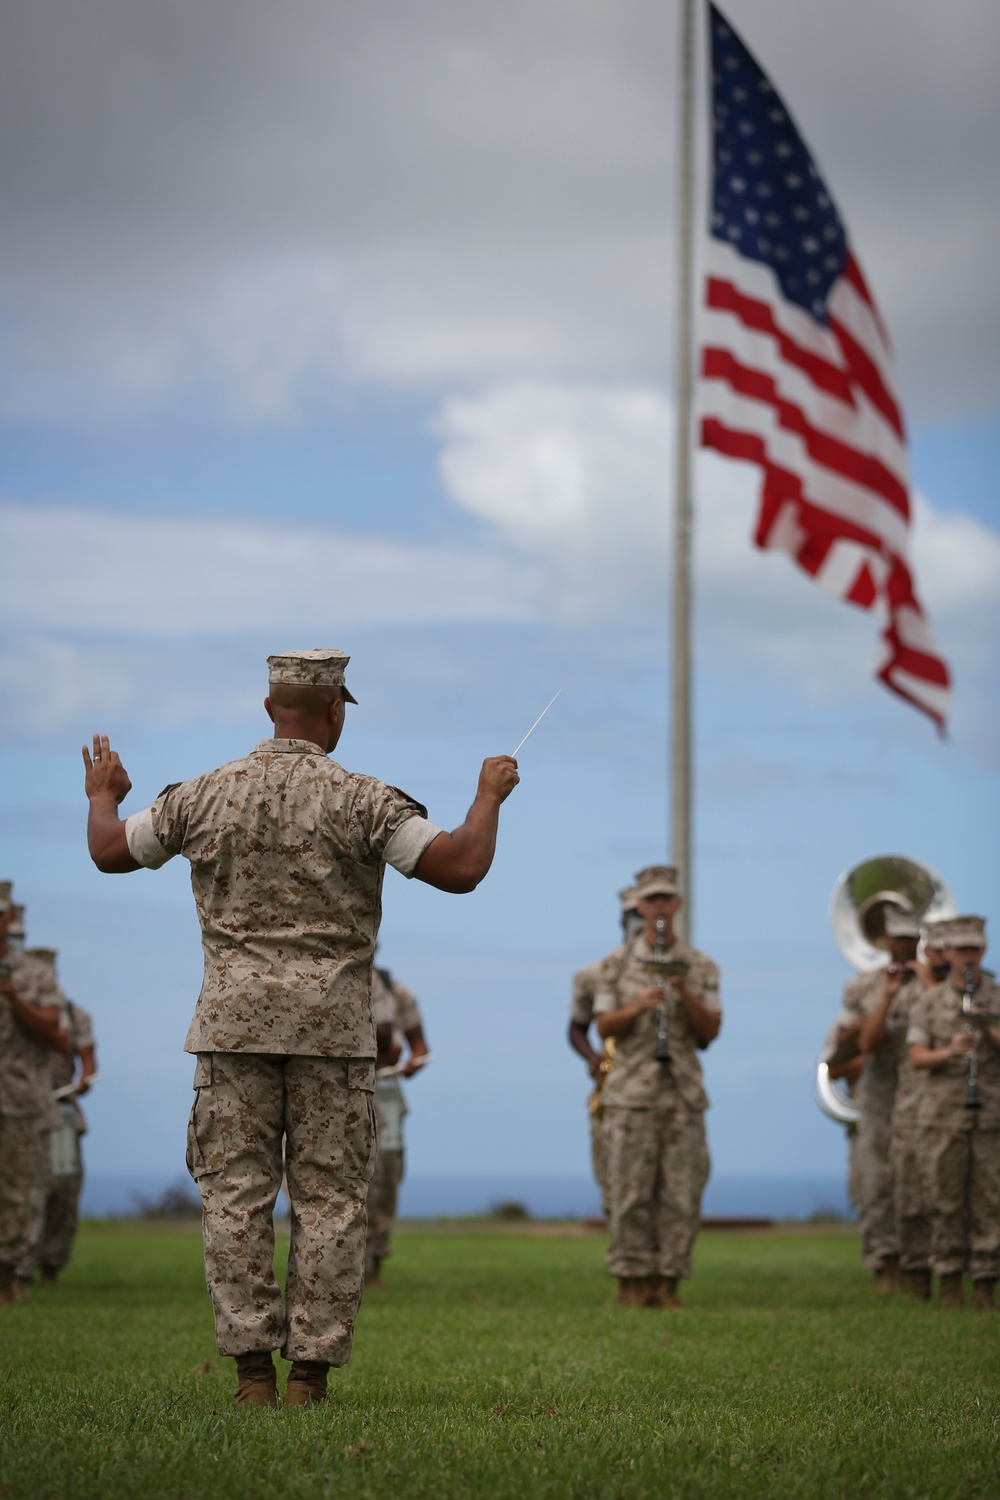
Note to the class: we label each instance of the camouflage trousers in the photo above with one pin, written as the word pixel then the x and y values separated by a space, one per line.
pixel 60 1213
pixel 321 1107
pixel 961 1177
pixel 24 1179
pixel 382 1196
pixel 879 1240
pixel 599 1160
pixel 658 1165
pixel 913 1225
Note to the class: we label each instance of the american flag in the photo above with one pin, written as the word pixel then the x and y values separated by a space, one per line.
pixel 796 371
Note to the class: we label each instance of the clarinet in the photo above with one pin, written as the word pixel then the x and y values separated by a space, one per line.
pixel 972 1099
pixel 660 952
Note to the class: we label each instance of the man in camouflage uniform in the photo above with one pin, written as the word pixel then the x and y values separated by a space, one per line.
pixel 888 991
pixel 959 1146
pixel 61 1210
pixel 288 852
pixel 654 1110
pixel 32 1026
pixel 846 1028
pixel 397 1020
pixel 913 1225
pixel 581 1013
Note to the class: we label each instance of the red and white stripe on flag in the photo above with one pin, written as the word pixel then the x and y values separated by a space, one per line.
pixel 796 373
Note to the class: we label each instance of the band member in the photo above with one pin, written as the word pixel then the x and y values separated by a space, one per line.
pixel 32 1027
pixel 913 1225
pixel 954 1040
pixel 54 1248
pixel 881 998
pixel 843 1057
pixel 398 1022
pixel 288 853
pixel 885 1004
pixel 654 1098
pixel 581 1013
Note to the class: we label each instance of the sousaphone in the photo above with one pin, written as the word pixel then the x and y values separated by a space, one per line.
pixel 858 907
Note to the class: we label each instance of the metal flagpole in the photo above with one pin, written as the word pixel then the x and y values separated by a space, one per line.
pixel 680 769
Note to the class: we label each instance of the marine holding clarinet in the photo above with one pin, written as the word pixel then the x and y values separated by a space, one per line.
pixel 954 1039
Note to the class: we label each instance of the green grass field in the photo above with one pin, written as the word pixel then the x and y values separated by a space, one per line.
pixel 496 1365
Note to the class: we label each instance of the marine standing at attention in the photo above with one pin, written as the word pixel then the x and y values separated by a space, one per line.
pixel 599 1064
pixel 958 1116
pixel 32 1027
pixel 654 1104
pixel 397 1021
pixel 288 852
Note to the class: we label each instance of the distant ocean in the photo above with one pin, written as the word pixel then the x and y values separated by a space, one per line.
pixel 428 1197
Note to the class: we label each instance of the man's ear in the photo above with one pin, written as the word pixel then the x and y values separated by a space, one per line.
pixel 268 709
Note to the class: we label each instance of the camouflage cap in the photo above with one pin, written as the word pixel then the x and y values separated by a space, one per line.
pixel 627 899
pixel 322 667
pixel 901 923
pixel 656 880
pixel 6 887
pixel 16 928
pixel 44 955
pixel 936 934
pixel 967 932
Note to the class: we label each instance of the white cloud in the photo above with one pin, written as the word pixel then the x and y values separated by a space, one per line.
pixel 175 577
pixel 580 479
pixel 571 486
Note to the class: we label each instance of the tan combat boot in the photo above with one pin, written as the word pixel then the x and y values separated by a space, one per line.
pixel 982 1293
pixel 633 1291
pixel 258 1385
pixel 663 1293
pixel 889 1276
pixel 372 1278
pixel 48 1276
pixel 306 1383
pixel 918 1285
pixel 951 1291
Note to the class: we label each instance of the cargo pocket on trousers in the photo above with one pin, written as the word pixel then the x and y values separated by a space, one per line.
pixel 205 1153
pixel 361 1136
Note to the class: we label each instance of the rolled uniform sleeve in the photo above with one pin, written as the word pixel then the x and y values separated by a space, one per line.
pixel 605 1000
pixel 143 844
pixel 704 980
pixel 408 843
pixel 918 1032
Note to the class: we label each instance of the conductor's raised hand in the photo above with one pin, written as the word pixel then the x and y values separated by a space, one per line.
pixel 499 777
pixel 105 776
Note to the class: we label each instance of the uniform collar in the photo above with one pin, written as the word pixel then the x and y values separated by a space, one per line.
pixel 288 747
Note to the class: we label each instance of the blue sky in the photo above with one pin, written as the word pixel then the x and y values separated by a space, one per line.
pixel 358 334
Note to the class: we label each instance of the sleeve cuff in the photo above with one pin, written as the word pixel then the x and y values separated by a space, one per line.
pixel 917 1037
pixel 404 849
pixel 604 1001
pixel 143 845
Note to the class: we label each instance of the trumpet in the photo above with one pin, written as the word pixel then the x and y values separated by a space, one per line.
pixel 595 1104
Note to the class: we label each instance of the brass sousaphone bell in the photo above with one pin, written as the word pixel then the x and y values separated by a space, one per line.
pixel 858 907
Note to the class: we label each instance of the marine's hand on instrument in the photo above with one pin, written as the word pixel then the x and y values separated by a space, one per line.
pixel 894 978
pixel 650 998
pixel 961 1042
pixel 104 774
pixel 499 777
